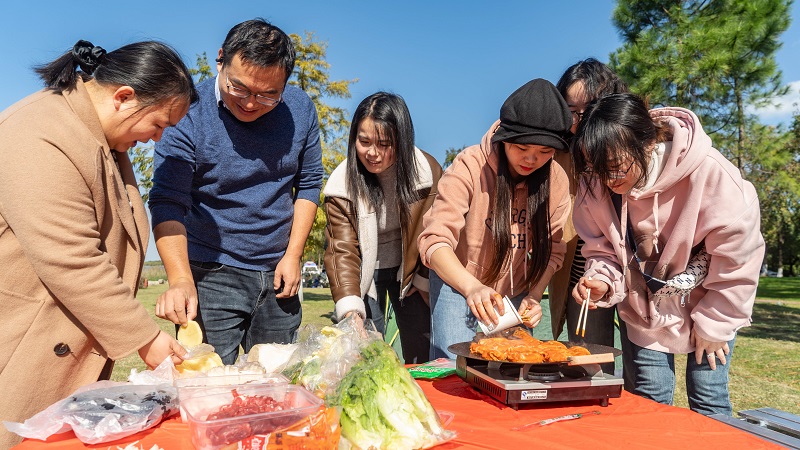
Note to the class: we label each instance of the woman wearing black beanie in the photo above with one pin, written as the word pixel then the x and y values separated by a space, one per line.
pixel 495 228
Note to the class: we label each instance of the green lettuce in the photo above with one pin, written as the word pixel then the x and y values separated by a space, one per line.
pixel 383 407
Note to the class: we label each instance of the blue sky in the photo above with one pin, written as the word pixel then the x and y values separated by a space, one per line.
pixel 453 61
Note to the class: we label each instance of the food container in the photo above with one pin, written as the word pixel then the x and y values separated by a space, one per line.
pixel 206 385
pixel 287 404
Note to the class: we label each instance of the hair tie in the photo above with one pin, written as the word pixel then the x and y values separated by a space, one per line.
pixel 88 55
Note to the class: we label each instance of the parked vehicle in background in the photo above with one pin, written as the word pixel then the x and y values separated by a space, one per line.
pixel 310 267
pixel 313 276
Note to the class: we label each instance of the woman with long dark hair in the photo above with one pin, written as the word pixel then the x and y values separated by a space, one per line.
pixel 496 225
pixel 672 239
pixel 582 83
pixel 375 201
pixel 73 230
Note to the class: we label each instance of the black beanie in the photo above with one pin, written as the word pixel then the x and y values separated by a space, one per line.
pixel 535 114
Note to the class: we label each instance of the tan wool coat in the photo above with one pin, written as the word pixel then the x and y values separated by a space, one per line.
pixel 73 234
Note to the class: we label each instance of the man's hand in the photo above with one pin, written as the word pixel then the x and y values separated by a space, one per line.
pixel 179 303
pixel 287 277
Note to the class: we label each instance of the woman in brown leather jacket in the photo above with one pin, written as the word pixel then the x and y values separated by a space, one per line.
pixel 375 201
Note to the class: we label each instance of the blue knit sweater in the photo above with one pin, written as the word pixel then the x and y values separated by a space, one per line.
pixel 233 184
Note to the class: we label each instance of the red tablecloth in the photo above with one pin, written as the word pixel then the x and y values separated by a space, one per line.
pixel 482 423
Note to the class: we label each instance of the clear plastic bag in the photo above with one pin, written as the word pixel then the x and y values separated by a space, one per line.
pixel 102 412
pixel 325 355
pixel 353 369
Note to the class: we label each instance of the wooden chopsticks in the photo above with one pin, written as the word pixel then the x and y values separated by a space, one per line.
pixel 584 313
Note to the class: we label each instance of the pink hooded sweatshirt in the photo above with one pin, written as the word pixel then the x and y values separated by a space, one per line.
pixel 460 218
pixel 699 197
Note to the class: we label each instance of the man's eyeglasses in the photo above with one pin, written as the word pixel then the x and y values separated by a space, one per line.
pixel 577 116
pixel 244 93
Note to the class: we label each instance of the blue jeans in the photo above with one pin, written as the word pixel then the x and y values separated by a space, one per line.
pixel 239 307
pixel 452 321
pixel 651 374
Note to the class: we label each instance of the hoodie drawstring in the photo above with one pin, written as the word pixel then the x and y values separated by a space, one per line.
pixel 623 220
pixel 655 217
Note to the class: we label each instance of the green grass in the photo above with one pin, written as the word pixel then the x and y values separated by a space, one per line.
pixel 786 289
pixel 765 371
pixel 766 361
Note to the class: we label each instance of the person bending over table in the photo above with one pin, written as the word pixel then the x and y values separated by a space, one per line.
pixel 496 226
pixel 686 213
pixel 73 229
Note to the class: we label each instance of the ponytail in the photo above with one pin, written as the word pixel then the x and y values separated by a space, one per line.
pixel 153 69
pixel 61 74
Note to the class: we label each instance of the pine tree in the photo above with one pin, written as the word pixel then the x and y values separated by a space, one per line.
pixel 715 57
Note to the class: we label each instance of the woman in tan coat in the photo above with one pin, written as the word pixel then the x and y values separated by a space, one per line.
pixel 73 229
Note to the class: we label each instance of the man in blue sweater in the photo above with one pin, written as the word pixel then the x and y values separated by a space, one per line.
pixel 235 192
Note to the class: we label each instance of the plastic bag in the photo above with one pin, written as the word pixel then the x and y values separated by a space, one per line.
pixel 274 357
pixel 325 355
pixel 102 412
pixel 163 374
pixel 382 407
pixel 438 368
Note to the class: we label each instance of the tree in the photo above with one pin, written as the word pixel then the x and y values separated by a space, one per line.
pixel 203 69
pixel 311 75
pixel 775 170
pixel 450 155
pixel 714 57
pixel 717 57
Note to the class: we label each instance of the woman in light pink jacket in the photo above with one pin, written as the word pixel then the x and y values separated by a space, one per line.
pixel 657 200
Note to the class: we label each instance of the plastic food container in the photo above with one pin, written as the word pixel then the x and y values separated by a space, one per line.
pixel 222 384
pixel 289 404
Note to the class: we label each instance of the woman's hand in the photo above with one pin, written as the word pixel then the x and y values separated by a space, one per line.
pixel 179 303
pixel 709 350
pixel 531 312
pixel 482 300
pixel 162 347
pixel 585 286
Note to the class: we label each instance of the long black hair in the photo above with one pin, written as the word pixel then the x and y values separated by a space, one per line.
pixel 537 221
pixel 616 128
pixel 393 123
pixel 153 69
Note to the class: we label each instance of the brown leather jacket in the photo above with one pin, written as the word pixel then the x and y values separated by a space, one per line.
pixel 352 241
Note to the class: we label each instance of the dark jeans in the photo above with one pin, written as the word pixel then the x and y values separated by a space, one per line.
pixel 239 307
pixel 412 315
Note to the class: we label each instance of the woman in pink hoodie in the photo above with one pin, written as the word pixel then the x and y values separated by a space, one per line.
pixel 658 202
pixel 497 222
